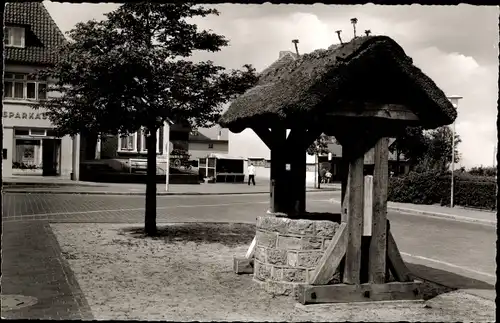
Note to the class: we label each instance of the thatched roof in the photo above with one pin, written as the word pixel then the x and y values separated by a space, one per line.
pixel 368 69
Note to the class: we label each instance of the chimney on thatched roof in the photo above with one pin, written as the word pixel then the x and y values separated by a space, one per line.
pixel 373 69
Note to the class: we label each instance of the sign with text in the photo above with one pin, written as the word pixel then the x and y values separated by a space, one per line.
pixel 24 115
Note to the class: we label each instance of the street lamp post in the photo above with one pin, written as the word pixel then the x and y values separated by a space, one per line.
pixel 454 100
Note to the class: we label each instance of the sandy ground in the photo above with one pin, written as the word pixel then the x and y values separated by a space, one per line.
pixel 186 274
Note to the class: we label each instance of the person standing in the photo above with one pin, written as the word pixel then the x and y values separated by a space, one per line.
pixel 251 174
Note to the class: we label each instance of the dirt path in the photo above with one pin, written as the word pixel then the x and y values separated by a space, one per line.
pixel 186 275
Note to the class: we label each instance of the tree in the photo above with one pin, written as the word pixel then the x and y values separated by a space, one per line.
pixel 439 151
pixel 319 147
pixel 130 72
pixel 412 143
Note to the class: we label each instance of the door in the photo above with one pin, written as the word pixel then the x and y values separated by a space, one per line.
pixel 51 156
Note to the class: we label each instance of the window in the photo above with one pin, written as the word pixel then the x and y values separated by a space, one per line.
pixel 143 141
pixel 127 143
pixel 14 37
pixel 38 132
pixel 24 86
pixel 210 146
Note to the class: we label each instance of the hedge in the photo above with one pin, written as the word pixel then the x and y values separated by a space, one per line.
pixel 434 188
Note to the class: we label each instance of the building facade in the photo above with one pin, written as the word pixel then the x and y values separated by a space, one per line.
pixel 29 144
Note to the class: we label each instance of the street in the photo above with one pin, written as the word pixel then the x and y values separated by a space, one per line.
pixel 465 248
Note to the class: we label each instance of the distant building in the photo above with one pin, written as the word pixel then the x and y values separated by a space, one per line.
pixel 30 145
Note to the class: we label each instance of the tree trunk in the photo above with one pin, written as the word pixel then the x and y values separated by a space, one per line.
pixel 150 216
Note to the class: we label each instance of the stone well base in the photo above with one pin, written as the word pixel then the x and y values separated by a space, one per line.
pixel 288 250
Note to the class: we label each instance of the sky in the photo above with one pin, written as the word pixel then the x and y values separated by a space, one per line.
pixel 456 46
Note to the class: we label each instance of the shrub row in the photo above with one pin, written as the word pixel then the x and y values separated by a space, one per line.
pixel 433 188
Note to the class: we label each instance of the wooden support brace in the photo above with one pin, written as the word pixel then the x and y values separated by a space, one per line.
pixel 310 136
pixel 265 135
pixel 331 259
pixel 378 245
pixel 396 262
pixel 251 249
pixel 343 293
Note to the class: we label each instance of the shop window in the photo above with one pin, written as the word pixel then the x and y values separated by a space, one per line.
pixel 14 37
pixel 24 86
pixel 51 133
pixel 28 154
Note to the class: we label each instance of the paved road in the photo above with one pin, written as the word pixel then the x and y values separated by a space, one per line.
pixel 458 253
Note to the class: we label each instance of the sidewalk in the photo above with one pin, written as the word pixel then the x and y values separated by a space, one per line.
pixel 456 213
pixel 42 185
pixel 34 269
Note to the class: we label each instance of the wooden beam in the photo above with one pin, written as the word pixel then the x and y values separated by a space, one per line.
pixel 396 263
pixel 265 135
pixel 243 265
pixel 384 111
pixel 343 293
pixel 378 244
pixel 354 217
pixel 331 259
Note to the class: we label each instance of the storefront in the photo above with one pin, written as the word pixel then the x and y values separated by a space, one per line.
pixel 30 144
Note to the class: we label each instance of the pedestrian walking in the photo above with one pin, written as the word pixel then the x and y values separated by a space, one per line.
pixel 251 174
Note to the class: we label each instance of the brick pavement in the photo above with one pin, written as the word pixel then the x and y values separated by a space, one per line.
pixel 32 265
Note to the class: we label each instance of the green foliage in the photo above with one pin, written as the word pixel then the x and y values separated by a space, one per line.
pixel 483 171
pixel 129 71
pixel 427 150
pixel 320 145
pixel 434 187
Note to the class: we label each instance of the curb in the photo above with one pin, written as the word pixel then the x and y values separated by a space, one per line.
pixel 438 215
pixel 143 193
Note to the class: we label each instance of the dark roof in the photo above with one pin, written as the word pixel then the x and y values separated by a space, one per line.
pixel 372 69
pixel 42 34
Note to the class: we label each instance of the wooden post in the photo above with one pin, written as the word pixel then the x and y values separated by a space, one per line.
pixel 278 164
pixel 378 244
pixel 344 169
pixel 354 216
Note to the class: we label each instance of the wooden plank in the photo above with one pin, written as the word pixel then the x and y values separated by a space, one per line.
pixel 368 206
pixel 343 293
pixel 378 246
pixel 354 219
pixel 265 135
pixel 396 263
pixel 243 265
pixel 251 249
pixel 331 259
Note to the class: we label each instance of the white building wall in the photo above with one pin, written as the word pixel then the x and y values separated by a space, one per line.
pixel 19 114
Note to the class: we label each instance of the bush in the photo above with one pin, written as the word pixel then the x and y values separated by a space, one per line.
pixel 434 187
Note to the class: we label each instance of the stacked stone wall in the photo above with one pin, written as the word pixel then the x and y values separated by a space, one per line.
pixel 288 250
